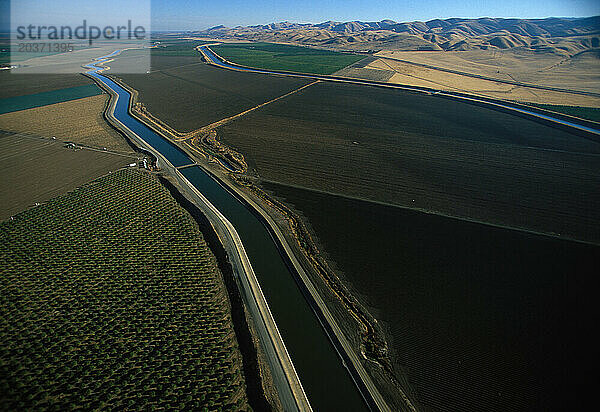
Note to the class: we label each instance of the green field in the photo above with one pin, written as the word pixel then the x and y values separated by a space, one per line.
pixel 589 113
pixel 111 299
pixel 190 96
pixel 289 58
pixel 479 318
pixel 13 104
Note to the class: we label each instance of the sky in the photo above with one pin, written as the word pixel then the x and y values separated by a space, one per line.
pixel 201 14
pixel 196 14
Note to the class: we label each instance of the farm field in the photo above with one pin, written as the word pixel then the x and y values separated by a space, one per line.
pixel 67 65
pixel 111 299
pixel 162 62
pixel 272 56
pixel 361 70
pixel 478 318
pixel 26 84
pixel 6 58
pixel 578 72
pixel 13 104
pixel 177 48
pixel 80 121
pixel 169 54
pixel 409 74
pixel 132 58
pixel 192 96
pixel 34 170
pixel 425 153
pixel 589 113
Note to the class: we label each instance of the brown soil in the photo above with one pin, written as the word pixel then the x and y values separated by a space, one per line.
pixel 80 121
pixel 35 170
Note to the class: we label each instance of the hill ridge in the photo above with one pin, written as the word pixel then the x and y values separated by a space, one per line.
pixel 566 36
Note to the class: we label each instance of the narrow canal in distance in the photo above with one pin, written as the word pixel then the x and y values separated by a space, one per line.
pixel 325 379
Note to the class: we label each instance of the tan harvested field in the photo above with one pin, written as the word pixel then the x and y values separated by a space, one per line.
pixel 482 62
pixel 435 79
pixel 80 121
pixel 580 72
pixel 35 170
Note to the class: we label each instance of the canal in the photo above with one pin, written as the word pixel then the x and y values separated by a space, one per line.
pixel 326 381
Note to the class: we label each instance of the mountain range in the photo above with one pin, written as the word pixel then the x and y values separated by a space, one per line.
pixel 557 35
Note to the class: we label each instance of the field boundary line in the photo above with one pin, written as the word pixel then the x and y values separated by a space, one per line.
pixel 229 119
pixel 431 212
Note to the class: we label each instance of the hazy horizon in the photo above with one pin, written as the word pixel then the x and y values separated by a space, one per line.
pixel 198 15
pixel 395 20
pixel 188 15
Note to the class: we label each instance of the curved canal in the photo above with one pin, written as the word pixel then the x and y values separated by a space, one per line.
pixel 326 381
